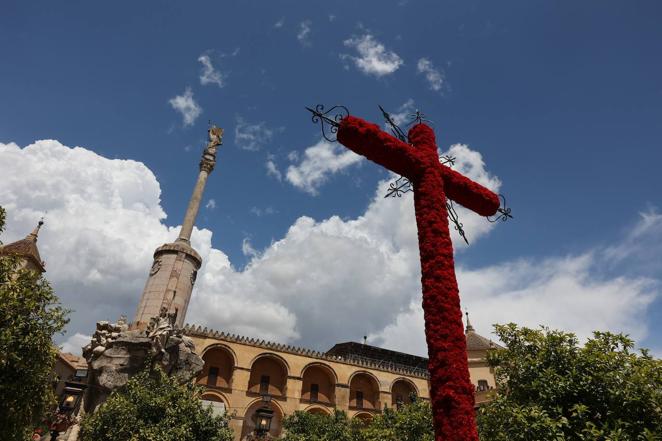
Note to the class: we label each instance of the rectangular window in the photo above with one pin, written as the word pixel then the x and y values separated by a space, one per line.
pixel 212 376
pixel 264 384
pixel 359 399
pixel 314 392
pixel 482 385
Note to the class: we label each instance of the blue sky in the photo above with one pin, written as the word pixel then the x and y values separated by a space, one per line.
pixel 562 100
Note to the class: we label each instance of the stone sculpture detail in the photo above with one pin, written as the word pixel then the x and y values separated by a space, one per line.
pixel 117 353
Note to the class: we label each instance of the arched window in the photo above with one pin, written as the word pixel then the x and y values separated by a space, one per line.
pixel 318 411
pixel 318 385
pixel 218 368
pixel 268 376
pixel 402 393
pixel 254 414
pixel 364 417
pixel 215 402
pixel 363 392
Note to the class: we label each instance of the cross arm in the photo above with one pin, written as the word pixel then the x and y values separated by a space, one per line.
pixel 371 141
pixel 469 194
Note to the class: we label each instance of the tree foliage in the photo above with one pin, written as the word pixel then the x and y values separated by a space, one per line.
pixel 551 388
pixel 412 422
pixel 30 315
pixel 155 407
pixel 304 426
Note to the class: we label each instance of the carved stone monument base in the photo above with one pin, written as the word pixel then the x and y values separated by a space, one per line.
pixel 117 353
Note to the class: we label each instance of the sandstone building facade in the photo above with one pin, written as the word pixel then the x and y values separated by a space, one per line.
pixel 256 379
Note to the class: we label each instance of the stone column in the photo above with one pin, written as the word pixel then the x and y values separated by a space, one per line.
pixel 294 386
pixel 384 398
pixel 175 268
pixel 342 396
pixel 206 167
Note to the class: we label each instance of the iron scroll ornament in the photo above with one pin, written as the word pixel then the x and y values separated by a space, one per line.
pixel 503 210
pixel 329 119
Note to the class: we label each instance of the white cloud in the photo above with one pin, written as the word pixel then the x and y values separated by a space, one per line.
pixel 102 213
pixel 320 161
pixel 247 248
pixel 323 282
pixel 304 33
pixel 641 244
pixel 374 58
pixel 434 76
pixel 259 212
pixel 358 274
pixel 252 136
pixel 403 114
pixel 272 169
pixel 211 204
pixel 209 75
pixel 559 292
pixel 104 220
pixel 279 24
pixel 74 344
pixel 186 105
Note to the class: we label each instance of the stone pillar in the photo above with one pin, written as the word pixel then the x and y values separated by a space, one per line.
pixel 384 399
pixel 240 378
pixel 342 396
pixel 294 387
pixel 194 204
pixel 175 268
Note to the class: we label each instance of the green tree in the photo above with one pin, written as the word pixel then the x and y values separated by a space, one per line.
pixel 551 388
pixel 155 407
pixel 30 315
pixel 304 426
pixel 411 422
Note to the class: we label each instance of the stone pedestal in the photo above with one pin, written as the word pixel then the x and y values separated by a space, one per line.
pixel 116 354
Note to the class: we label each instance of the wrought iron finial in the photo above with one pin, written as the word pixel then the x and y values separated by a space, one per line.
pixel 332 117
pixel 35 233
pixel 395 130
pixel 418 117
pixel 503 210
pixel 469 327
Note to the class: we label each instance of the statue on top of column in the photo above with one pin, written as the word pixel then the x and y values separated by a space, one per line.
pixel 215 135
